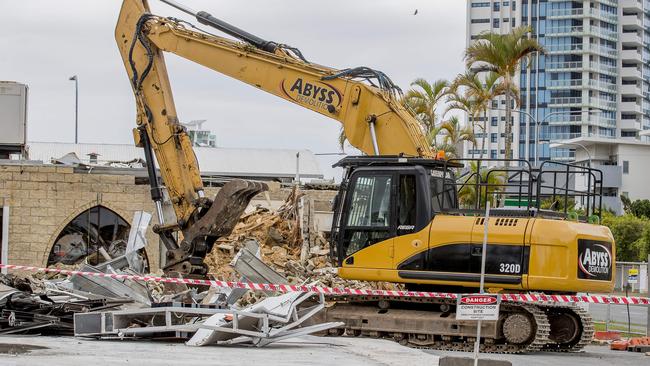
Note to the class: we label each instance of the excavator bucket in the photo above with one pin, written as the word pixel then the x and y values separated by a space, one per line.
pixel 228 206
pixel 217 221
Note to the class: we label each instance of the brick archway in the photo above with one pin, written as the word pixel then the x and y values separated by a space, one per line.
pixel 73 215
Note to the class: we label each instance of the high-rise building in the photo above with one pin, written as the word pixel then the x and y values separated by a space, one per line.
pixel 589 92
pixel 199 136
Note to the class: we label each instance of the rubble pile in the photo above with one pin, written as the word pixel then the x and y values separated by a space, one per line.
pixel 110 300
pixel 33 304
pixel 107 300
pixel 279 235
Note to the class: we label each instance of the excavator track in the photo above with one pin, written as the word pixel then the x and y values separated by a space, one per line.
pixel 572 328
pixel 521 328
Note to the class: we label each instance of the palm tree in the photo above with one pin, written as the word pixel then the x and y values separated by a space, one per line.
pixel 423 100
pixel 481 92
pixel 458 101
pixel 489 187
pixel 453 133
pixel 503 54
pixel 432 137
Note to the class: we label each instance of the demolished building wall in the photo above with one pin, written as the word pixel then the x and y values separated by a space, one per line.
pixel 45 198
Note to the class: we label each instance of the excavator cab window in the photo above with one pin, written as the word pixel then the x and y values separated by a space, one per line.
pixel 407 204
pixel 443 196
pixel 369 214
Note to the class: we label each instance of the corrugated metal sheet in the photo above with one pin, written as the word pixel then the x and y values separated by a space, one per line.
pixel 212 161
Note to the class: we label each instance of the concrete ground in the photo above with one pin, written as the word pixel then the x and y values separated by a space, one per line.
pixel 309 350
pixel 591 356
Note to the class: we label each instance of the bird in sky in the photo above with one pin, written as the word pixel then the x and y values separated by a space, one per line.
pixel 416 12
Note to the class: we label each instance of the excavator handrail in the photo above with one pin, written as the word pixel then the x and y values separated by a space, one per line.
pixel 527 187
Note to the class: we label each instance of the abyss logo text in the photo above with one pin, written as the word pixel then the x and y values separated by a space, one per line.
pixel 594 260
pixel 312 93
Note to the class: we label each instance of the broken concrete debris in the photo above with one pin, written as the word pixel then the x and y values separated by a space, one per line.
pixel 32 305
pixel 265 247
pixel 283 249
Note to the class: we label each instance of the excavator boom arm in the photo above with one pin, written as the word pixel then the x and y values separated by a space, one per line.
pixel 373 118
pixel 341 95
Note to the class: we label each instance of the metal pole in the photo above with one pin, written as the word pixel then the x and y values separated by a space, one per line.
pixel 181 7
pixel 373 136
pixel 297 168
pixel 76 107
pixel 608 316
pixel 629 320
pixel 537 124
pixel 477 344
pixel 582 146
pixel 76 110
pixel 537 144
pixel 4 253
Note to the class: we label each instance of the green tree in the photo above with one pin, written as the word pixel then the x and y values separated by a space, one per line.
pixel 480 94
pixel 458 101
pixel 453 133
pixel 557 204
pixel 423 99
pixel 632 236
pixel 503 54
pixel 642 245
pixel 489 185
pixel 626 203
pixel 640 208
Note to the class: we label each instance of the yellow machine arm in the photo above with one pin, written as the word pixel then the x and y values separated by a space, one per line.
pixel 274 68
pixel 362 99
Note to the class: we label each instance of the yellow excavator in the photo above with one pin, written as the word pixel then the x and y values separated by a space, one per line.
pixel 397 214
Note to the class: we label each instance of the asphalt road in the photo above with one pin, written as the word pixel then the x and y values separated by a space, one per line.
pixel 591 356
pixel 618 313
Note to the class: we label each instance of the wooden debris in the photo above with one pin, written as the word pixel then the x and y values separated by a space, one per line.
pixel 227 248
pixel 282 247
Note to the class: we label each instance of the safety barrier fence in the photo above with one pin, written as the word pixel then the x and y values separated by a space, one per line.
pixel 536 298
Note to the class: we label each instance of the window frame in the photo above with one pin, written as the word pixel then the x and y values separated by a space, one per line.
pixel 348 230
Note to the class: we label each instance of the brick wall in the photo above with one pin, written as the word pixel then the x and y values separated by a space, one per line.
pixel 44 199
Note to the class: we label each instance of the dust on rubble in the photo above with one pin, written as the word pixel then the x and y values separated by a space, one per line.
pixel 279 235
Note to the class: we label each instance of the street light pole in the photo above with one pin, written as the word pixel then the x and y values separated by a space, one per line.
pixel 76 108
pixel 580 145
pixel 538 123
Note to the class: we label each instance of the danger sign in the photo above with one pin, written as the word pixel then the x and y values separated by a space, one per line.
pixel 478 307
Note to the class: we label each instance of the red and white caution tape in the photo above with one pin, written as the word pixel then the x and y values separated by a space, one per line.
pixel 534 298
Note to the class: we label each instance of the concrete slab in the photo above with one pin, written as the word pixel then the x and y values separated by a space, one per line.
pixel 308 350
pixel 468 361
pixel 591 356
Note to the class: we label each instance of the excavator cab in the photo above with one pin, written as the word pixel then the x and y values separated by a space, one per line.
pixel 398 219
pixel 387 197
